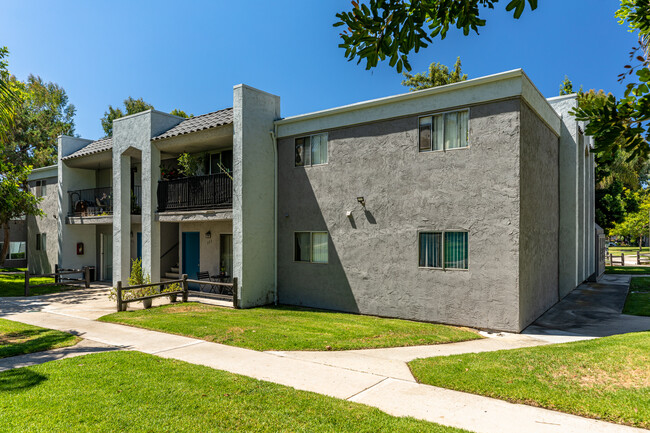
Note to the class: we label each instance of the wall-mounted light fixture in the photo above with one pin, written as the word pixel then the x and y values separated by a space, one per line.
pixel 208 234
pixel 362 201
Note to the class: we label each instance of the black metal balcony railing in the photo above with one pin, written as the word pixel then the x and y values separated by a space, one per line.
pixel 99 201
pixel 212 191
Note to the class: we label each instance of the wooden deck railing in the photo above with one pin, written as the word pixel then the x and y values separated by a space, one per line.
pixel 213 191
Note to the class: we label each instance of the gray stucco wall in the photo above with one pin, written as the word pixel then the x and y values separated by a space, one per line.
pixel 373 256
pixel 539 226
pixel 43 261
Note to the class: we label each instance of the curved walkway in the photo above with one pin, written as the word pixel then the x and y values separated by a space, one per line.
pixel 366 376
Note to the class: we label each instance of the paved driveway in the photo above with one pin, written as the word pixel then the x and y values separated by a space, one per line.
pixel 591 310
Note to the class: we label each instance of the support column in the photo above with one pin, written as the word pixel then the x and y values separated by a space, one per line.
pixel 150 227
pixel 121 217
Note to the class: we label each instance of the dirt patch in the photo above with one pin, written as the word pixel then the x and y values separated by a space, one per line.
pixel 623 377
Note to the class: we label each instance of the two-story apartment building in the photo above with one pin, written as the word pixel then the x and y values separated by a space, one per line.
pixel 468 204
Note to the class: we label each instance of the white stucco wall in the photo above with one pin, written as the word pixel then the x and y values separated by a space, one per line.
pixel 209 254
pixel 69 234
pixel 132 145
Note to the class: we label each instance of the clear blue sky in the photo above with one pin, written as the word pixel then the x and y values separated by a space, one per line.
pixel 189 54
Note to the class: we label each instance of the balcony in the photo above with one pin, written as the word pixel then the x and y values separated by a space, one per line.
pixel 99 202
pixel 212 191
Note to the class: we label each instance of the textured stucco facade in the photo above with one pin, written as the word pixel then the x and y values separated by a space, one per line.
pixel 254 112
pixel 522 189
pixel 373 255
pixel 42 261
pixel 539 217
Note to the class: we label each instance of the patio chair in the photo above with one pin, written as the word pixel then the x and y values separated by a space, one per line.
pixel 206 277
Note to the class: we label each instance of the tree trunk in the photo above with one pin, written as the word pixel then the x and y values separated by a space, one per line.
pixel 5 244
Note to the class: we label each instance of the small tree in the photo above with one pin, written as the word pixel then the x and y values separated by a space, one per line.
pixel 16 200
pixel 131 106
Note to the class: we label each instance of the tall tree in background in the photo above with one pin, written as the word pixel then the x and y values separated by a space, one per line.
pixel 8 98
pixel 623 124
pixel 619 176
pixel 41 113
pixel 40 116
pixel 131 106
pixel 180 113
pixel 378 29
pixel 437 75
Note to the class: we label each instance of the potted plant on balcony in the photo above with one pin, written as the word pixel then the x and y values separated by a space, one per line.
pixel 189 165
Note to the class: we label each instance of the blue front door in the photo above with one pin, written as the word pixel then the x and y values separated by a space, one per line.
pixel 191 254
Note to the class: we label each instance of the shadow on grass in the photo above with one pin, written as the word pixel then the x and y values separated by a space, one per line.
pixel 29 341
pixel 19 379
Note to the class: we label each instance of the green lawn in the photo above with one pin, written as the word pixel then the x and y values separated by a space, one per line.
pixel 288 328
pixel 638 270
pixel 14 284
pixel 638 298
pixel 18 339
pixel 606 378
pixel 626 250
pixel 135 392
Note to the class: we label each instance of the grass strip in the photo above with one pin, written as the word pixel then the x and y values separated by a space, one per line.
pixel 288 328
pixel 19 339
pixel 606 378
pixel 135 392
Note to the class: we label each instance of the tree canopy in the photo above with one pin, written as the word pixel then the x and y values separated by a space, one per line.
pixel 623 124
pixel 131 106
pixel 378 29
pixel 437 75
pixel 7 96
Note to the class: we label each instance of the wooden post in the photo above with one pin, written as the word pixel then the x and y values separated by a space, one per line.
pixel 638 258
pixel 622 259
pixel 118 289
pixel 56 273
pixel 235 300
pixel 87 276
pixel 27 282
pixel 185 288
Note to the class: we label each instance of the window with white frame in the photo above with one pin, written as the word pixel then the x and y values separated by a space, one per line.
pixel 310 247
pixel 443 250
pixel 17 250
pixel 311 150
pixel 444 131
pixel 40 188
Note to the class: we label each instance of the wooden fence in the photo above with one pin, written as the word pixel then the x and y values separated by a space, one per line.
pixel 60 278
pixel 616 260
pixel 184 292
pixel 231 286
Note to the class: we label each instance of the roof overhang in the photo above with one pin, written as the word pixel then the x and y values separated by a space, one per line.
pixel 95 161
pixel 219 137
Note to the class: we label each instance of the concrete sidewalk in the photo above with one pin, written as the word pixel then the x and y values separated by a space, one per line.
pixel 371 377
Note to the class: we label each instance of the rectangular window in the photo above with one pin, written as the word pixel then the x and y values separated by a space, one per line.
pixel 311 150
pixel 40 188
pixel 311 247
pixel 444 131
pixel 443 250
pixel 218 162
pixel 17 250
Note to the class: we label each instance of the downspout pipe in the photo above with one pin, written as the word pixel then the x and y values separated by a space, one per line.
pixel 274 142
